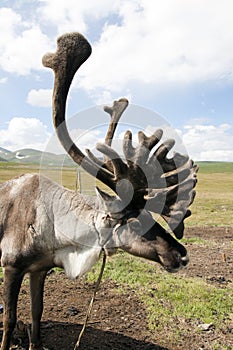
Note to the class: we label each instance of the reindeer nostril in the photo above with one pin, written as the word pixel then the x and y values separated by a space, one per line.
pixel 185 260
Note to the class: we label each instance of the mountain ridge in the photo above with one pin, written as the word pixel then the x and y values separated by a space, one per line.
pixel 33 156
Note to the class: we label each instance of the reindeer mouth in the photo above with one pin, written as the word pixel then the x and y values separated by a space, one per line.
pixel 180 263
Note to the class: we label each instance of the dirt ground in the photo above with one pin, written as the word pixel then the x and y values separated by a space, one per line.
pixel 119 321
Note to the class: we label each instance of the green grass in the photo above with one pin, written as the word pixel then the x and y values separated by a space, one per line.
pixel 215 167
pixel 213 204
pixel 10 170
pixel 195 240
pixel 67 176
pixel 169 297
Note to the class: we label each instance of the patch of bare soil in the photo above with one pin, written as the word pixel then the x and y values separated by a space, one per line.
pixel 119 321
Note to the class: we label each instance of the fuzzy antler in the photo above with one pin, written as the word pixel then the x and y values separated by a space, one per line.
pixel 160 184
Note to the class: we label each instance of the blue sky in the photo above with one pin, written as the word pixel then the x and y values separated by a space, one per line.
pixel 173 57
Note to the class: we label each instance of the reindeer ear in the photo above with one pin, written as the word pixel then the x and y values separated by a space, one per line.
pixel 104 196
pixel 112 204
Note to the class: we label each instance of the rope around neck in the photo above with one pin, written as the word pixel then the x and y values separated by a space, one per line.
pixel 92 301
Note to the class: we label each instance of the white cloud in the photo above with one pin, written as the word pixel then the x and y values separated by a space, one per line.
pixel 32 133
pixel 9 21
pixel 40 98
pixel 73 15
pixel 162 43
pixel 105 97
pixel 139 41
pixel 84 139
pixel 24 133
pixel 209 142
pixel 3 80
pixel 22 45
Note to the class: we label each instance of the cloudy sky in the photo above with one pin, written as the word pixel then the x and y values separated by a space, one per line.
pixel 172 57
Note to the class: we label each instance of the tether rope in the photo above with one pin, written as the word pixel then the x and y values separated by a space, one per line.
pixel 92 301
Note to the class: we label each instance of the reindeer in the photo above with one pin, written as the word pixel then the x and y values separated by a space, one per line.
pixel 43 225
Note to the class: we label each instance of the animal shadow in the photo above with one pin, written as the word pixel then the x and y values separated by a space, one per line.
pixel 63 336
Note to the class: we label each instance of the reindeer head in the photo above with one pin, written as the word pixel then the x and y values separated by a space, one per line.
pixel 145 180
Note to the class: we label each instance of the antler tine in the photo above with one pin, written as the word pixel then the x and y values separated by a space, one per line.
pixel 150 141
pixel 146 143
pixel 140 154
pixel 162 151
pixel 172 183
pixel 120 169
pixel 128 149
pixel 177 210
pixel 72 51
pixel 178 160
pixel 172 203
pixel 94 158
pixel 115 111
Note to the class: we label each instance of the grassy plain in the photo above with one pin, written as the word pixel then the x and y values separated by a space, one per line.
pixel 213 204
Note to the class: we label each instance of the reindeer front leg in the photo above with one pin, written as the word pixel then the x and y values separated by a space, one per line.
pixel 12 283
pixel 36 288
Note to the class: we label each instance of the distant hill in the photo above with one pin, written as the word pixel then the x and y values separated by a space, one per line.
pixel 33 156
pixel 4 152
pixel 215 167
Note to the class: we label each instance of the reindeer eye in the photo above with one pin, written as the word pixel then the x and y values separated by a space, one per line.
pixel 135 225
